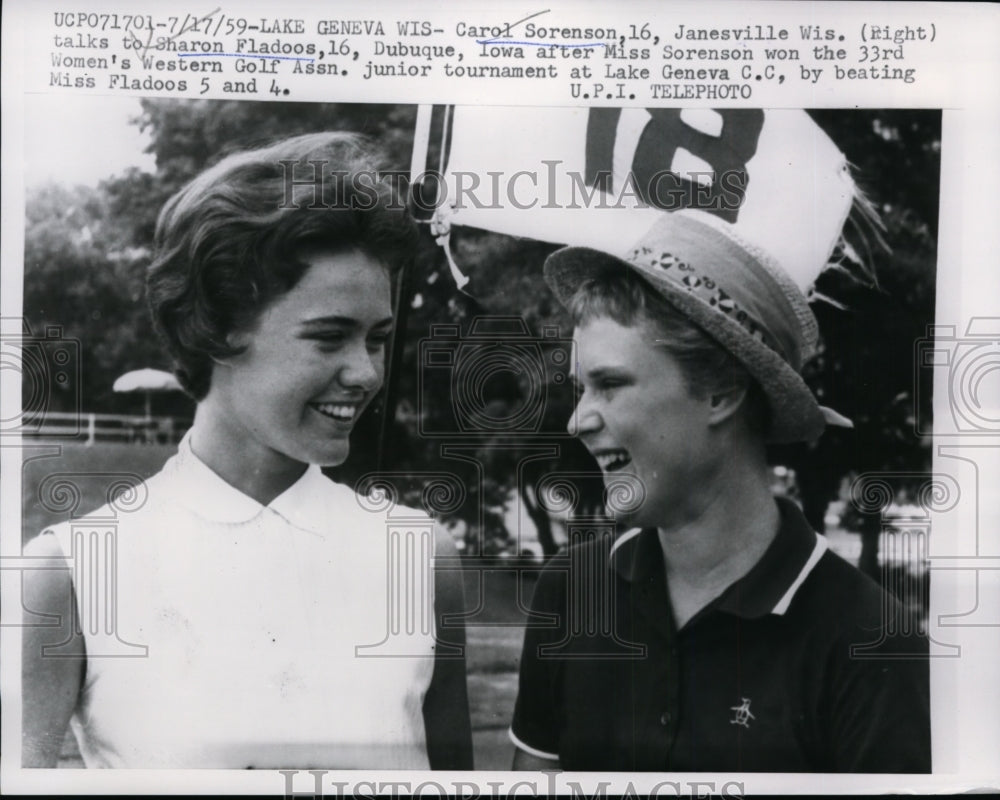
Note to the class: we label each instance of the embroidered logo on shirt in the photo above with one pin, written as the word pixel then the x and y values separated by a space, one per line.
pixel 742 715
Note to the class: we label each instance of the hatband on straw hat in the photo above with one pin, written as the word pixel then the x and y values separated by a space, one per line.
pixel 735 293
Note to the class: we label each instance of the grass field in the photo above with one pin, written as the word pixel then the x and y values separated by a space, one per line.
pixel 59 480
pixel 494 643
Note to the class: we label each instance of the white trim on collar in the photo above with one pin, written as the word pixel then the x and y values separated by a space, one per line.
pixel 629 534
pixel 529 749
pixel 819 549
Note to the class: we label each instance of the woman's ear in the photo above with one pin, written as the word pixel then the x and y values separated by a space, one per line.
pixel 725 402
pixel 236 340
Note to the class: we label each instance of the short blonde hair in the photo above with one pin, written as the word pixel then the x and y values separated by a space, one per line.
pixel 626 298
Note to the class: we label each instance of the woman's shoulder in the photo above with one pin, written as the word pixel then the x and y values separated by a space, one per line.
pixel 47 546
pixel 131 501
pixel 846 602
pixel 377 501
pixel 382 508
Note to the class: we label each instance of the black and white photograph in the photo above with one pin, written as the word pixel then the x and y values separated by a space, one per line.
pixel 438 438
pixel 623 390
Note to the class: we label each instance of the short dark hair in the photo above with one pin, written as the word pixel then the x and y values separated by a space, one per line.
pixel 623 296
pixel 230 242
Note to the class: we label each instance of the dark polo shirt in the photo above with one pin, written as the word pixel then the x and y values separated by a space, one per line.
pixel 804 664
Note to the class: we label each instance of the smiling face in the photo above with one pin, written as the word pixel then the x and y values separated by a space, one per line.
pixel 313 360
pixel 638 417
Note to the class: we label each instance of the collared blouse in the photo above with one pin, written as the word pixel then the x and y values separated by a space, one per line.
pixel 223 633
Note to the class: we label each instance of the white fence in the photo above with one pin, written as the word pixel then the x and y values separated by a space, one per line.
pixel 92 428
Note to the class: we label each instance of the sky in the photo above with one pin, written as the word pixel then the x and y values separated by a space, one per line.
pixel 81 139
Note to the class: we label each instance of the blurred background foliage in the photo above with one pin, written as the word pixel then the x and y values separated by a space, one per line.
pixel 86 250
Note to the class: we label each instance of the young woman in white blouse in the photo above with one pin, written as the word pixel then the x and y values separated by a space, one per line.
pixel 256 585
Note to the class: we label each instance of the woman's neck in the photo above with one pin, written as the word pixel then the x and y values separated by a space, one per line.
pixel 727 534
pixel 241 461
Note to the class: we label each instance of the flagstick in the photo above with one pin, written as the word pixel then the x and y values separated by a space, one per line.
pixel 394 359
pixel 404 294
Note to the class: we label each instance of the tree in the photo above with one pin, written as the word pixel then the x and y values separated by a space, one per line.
pixel 82 277
pixel 86 251
pixel 865 369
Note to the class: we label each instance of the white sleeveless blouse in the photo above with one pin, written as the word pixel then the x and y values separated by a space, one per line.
pixel 231 635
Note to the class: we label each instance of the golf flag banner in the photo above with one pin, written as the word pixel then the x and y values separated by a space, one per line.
pixel 772 180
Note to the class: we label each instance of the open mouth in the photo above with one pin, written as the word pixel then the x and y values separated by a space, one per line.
pixel 342 412
pixel 611 460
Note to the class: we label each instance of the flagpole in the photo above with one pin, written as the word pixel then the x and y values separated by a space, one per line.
pixel 404 296
pixel 397 345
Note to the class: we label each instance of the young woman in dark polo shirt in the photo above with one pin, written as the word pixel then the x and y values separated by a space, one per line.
pixel 717 633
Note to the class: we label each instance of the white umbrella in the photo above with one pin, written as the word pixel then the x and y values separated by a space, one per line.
pixel 148 381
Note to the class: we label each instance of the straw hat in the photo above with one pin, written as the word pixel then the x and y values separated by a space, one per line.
pixel 754 207
pixel 745 283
